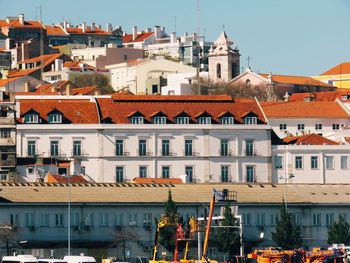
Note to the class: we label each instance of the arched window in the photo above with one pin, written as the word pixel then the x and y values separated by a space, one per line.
pixel 218 71
pixel 247 82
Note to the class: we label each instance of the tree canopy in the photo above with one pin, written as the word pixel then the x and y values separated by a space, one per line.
pixel 99 80
pixel 339 232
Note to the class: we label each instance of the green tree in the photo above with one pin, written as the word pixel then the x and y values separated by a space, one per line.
pixel 9 237
pixel 99 80
pixel 339 232
pixel 287 234
pixel 167 233
pixel 228 238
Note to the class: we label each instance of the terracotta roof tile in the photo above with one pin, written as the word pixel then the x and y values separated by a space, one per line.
pixel 319 96
pixel 79 30
pixel 21 72
pixel 57 178
pixel 342 68
pixel 301 109
pixel 140 37
pixel 75 111
pixel 309 139
pixel 55 30
pixel 296 80
pixel 120 107
pixel 45 59
pixel 4 82
pixel 27 24
pixel 84 90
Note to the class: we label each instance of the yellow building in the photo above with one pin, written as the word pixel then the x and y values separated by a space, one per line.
pixel 338 76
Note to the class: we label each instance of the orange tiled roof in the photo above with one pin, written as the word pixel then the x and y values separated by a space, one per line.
pixel 319 96
pixel 157 180
pixel 27 24
pixel 296 80
pixel 309 139
pixel 140 37
pixel 74 111
pixel 301 109
pixel 342 68
pixel 55 30
pixel 44 58
pixel 120 107
pixel 3 23
pixel 21 72
pixel 347 139
pixel 79 30
pixel 84 90
pixel 57 178
pixel 4 82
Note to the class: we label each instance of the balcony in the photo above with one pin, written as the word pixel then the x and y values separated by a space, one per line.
pixel 77 155
pixel 7 141
pixel 7 120
pixel 123 154
pixel 11 161
pixel 225 153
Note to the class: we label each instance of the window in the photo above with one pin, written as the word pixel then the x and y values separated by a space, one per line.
pixel 137 120
pixel 182 120
pixel 301 126
pixel 147 219
pixel 296 218
pixel 31 118
pixel 142 148
pixel 329 162
pixel 54 148
pixel 133 219
pixel 204 120
pixel 119 147
pixel 260 219
pixel 278 162
pixel 142 171
pixel 165 171
pixel 76 148
pixel 45 220
pixel 250 120
pixel 104 219
pixel 118 219
pixel 344 162
pixel 249 147
pixel 227 120
pixel 335 126
pixel 224 147
pixel 59 219
pixel 189 174
pixel 159 120
pixel 119 174
pixel 55 118
pixel 273 219
pixel 329 219
pixel 165 147
pixel 250 174
pixel 298 162
pixel 5 133
pixel 75 219
pixel 188 148
pixel 30 170
pixel 89 220
pixel 283 126
pixel 318 126
pixel 314 162
pixel 14 219
pixel 154 88
pixel 246 219
pixel 316 219
pixel 31 145
pixel 225 173
pixel 218 71
pixel 29 219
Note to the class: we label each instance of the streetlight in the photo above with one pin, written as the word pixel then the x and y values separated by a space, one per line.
pixel 285 178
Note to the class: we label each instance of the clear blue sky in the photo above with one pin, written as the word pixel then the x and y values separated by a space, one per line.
pixel 300 37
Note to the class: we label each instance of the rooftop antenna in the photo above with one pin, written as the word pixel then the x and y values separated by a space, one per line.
pixel 198 12
pixel 248 60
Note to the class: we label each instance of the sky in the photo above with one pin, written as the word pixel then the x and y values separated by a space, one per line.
pixel 293 37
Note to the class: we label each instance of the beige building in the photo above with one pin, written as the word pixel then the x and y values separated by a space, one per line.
pixel 145 76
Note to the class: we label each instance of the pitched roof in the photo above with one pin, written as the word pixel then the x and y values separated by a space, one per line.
pixel 76 111
pixel 57 178
pixel 301 109
pixel 342 68
pixel 157 180
pixel 4 82
pixel 120 107
pixel 309 139
pixel 140 37
pixel 27 24
pixel 55 30
pixel 296 80
pixel 84 90
pixel 45 59
pixel 319 96
pixel 79 30
pixel 21 72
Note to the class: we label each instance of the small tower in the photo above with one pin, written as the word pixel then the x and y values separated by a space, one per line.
pixel 223 60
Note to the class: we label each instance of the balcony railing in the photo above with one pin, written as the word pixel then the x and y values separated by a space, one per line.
pixel 7 141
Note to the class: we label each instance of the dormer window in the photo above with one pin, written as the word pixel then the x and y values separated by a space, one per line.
pixel 204 120
pixel 137 120
pixel 250 120
pixel 159 120
pixel 31 118
pixel 55 118
pixel 182 120
pixel 227 120
pixel 344 97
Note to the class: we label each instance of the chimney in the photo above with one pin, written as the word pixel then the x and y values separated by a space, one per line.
pixel 68 90
pixel 157 31
pixel 97 92
pixel 93 28
pixel 21 19
pixel 109 28
pixel 83 27
pixel 52 88
pixel 173 37
pixel 134 32
pixel 148 30
pixel 27 86
pixel 58 64
pixel 65 25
